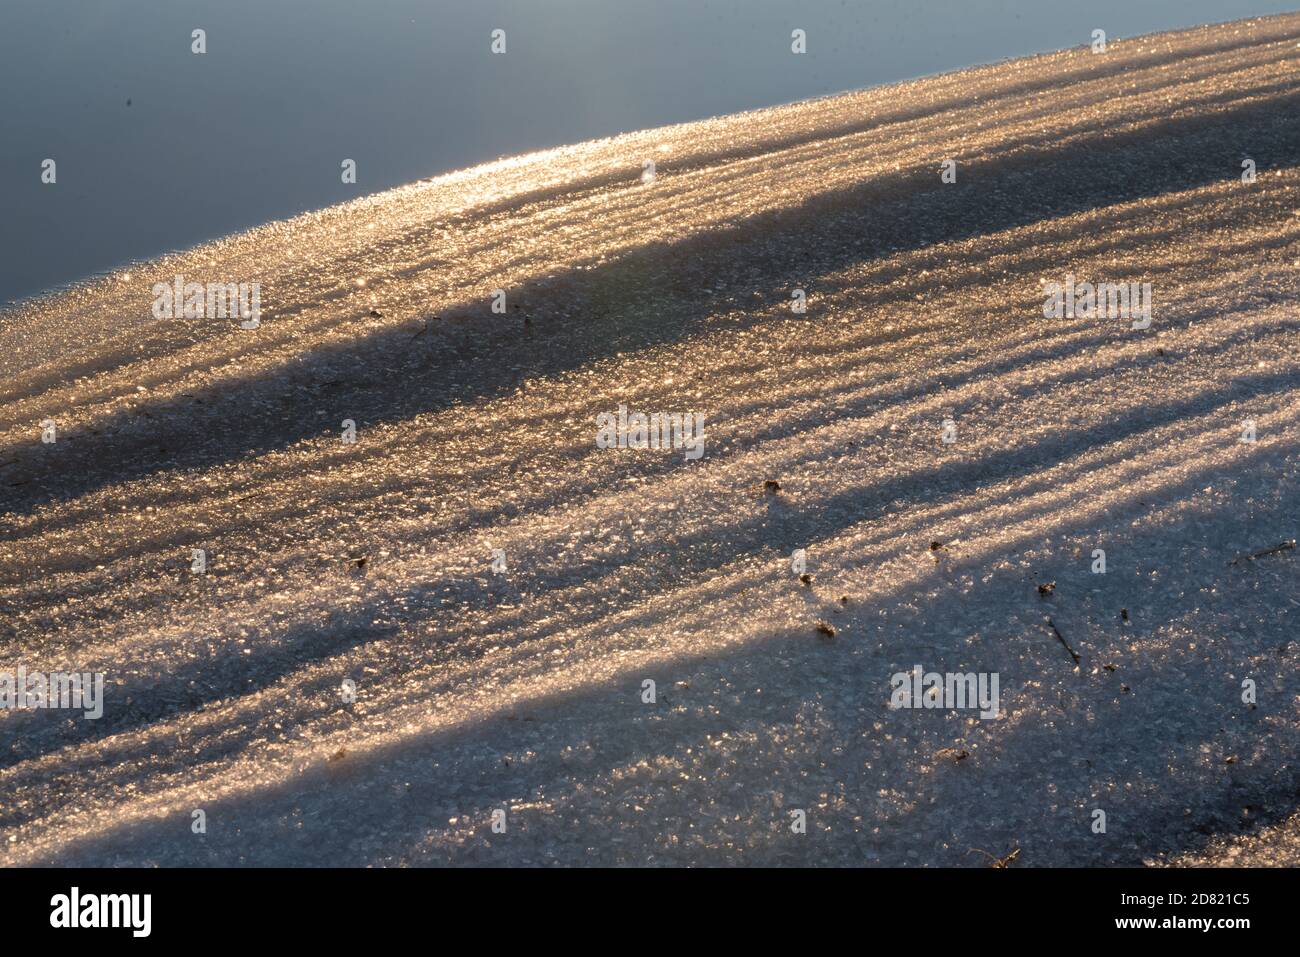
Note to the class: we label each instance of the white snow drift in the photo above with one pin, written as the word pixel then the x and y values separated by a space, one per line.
pixel 501 591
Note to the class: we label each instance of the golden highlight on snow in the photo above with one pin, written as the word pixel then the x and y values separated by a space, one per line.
pixel 365 589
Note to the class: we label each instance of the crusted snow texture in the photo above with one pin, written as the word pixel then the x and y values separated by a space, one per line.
pixel 522 690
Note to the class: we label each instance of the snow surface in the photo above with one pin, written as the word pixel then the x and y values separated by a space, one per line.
pixel 476 431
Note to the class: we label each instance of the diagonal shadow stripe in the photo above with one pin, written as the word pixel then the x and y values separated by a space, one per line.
pixel 199 682
pixel 381 378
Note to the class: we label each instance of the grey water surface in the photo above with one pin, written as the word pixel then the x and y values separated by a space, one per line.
pixel 158 148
